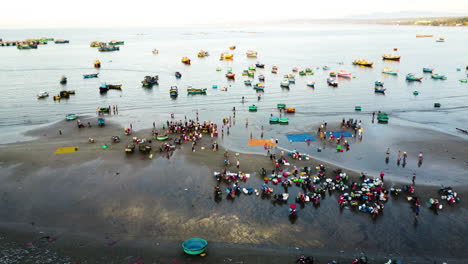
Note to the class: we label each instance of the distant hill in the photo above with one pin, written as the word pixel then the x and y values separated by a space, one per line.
pixel 404 14
pixel 425 21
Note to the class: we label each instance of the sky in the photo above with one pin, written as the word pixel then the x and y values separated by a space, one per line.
pixel 153 13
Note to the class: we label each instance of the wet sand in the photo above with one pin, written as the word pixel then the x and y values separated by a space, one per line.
pixel 93 197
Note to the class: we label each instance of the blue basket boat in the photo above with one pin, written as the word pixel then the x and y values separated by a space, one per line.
pixel 194 246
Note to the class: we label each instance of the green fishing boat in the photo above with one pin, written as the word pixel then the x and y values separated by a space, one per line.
pixel 284 120
pixel 253 108
pixel 357 108
pixel 196 91
pixel 281 106
pixel 274 119
pixel 382 118
pixel 115 43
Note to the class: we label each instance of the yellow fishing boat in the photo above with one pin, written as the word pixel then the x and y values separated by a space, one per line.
pixel 97 64
pixel 186 60
pixel 226 56
pixel 232 47
pixel 391 57
pixel 424 36
pixel 363 62
pixel 202 54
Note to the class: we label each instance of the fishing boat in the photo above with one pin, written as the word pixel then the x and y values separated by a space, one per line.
pixel 389 71
pixel 412 77
pixel 285 83
pixel 155 51
pixel 57 98
pixel 149 81
pixel 185 60
pixel 232 47
pixel 253 108
pixel 108 48
pixel 219 69
pixel 332 82
pixel 114 86
pixel 214 86
pixel 178 75
pixel 63 80
pixel 363 62
pixel 97 64
pixel 97 44
pixel 357 108
pixel 103 88
pixel 274 71
pixel 92 75
pixel 309 71
pixel 332 74
pixel 382 118
pixel 284 120
pixel 311 84
pixel 292 80
pixel 438 77
pixel 71 117
pixel 302 73
pixel 437 105
pixel 62 41
pixel 464 80
pixel 259 87
pixel 391 57
pixel 251 74
pixel 424 36
pixel 261 78
pixel 202 54
pixel 440 40
pixel 230 75
pixel 194 246
pixel 379 89
pixel 428 70
pixel 274 119
pixel 281 106
pixel 290 110
pixel 173 92
pixel 415 92
pixel 251 54
pixel 23 47
pixel 248 82
pixel 226 56
pixel 116 42
pixel 260 65
pixel 196 91
pixel 379 83
pixel 326 68
pixel 344 74
pixel 42 95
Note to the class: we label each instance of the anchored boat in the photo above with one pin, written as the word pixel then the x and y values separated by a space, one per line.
pixel 93 75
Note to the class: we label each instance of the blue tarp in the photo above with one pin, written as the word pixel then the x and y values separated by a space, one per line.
pixel 300 137
pixel 339 133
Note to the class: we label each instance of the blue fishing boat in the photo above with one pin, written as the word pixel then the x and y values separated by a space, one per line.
pixel 70 117
pixel 438 77
pixel 103 88
pixel 101 122
pixel 412 77
pixel 259 87
pixel 428 70
pixel 378 83
pixel 93 75
pixel 274 119
pixel 194 246
pixel 285 83
pixel 248 82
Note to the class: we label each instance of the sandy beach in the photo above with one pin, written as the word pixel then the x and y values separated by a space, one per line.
pixel 105 206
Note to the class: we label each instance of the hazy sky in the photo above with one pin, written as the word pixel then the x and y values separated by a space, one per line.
pixel 117 13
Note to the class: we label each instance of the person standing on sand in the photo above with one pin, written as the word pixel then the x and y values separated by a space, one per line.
pixel 382 174
pixel 60 132
pixel 399 156
pixel 414 179
pixel 237 164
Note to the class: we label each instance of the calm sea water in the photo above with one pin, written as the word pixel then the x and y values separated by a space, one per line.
pixel 23 73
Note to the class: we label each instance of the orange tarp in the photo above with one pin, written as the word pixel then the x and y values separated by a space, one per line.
pixel 260 142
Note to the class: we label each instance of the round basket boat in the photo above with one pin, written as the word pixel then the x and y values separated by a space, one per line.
pixel 194 246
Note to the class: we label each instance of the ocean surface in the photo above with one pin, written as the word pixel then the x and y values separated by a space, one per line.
pixel 23 73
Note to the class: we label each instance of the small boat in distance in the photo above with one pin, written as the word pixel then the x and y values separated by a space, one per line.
pixel 285 83
pixel 232 47
pixel 116 42
pixel 178 75
pixel 389 71
pixel 248 82
pixel 311 84
pixel 196 91
pixel 226 56
pixel 428 70
pixel 230 75
pixel 41 95
pixel 202 54
pixel 114 86
pixel 391 57
pixel 173 92
pixel 260 65
pixel 61 41
pixel 344 74
pixel 379 83
pixel 186 60
pixel 63 80
pixel 332 74
pixel 379 90
pixel 92 75
pixel 259 87
pixel 261 78
pixel 438 77
pixel 149 81
pixel 363 62
pixel 326 68
pixel 440 40
pixel 332 82
pixel 108 48
pixel 155 51
pixel 251 54
pixel 97 64
pixel 412 77
pixel 424 36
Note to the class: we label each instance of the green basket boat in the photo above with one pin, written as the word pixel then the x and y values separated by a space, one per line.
pixel 284 120
pixel 281 106
pixel 253 108
pixel 274 119
pixel 162 137
pixel 194 246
